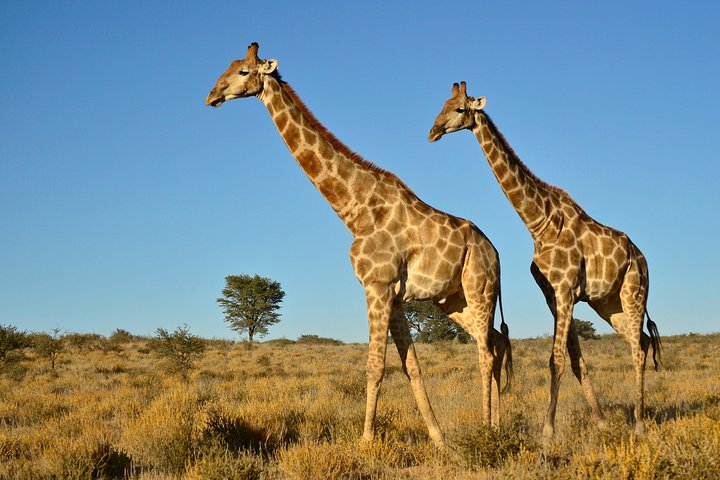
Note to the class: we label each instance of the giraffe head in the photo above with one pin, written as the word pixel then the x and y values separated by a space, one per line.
pixel 243 78
pixel 458 113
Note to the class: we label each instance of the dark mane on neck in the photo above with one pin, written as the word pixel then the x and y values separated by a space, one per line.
pixel 515 159
pixel 333 140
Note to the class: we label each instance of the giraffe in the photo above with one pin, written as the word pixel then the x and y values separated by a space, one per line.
pixel 576 258
pixel 403 249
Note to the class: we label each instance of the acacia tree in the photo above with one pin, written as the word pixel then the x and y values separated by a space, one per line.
pixel 585 329
pixel 251 304
pixel 432 324
pixel 49 346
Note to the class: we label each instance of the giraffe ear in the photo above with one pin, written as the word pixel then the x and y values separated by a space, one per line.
pixel 269 66
pixel 479 104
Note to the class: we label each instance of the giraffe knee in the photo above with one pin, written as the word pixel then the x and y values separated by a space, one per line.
pixel 412 372
pixel 557 364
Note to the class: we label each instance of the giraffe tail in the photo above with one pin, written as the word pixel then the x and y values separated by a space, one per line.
pixel 654 340
pixel 508 347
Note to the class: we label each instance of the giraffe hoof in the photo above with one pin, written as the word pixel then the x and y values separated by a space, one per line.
pixel 640 428
pixel 603 424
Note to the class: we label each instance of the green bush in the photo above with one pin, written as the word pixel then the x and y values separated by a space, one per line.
pixel 11 342
pixel 585 329
pixel 315 340
pixel 180 348
pixel 84 341
pixel 49 346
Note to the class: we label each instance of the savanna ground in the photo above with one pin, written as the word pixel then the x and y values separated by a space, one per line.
pixel 286 410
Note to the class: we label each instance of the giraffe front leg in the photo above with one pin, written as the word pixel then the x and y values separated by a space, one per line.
pixel 411 366
pixel 379 302
pixel 563 317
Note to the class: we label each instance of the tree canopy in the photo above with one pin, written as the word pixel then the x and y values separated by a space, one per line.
pixel 432 324
pixel 251 304
pixel 585 329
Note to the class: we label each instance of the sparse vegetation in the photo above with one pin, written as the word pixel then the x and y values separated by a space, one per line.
pixel 49 345
pixel 180 349
pixel 295 410
pixel 11 342
pixel 315 340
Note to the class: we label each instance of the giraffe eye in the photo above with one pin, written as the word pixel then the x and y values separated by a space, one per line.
pixel 460 110
pixel 243 73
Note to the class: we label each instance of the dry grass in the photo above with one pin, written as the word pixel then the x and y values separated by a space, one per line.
pixel 296 410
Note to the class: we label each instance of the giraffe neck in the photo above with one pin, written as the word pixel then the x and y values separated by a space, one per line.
pixel 345 179
pixel 530 196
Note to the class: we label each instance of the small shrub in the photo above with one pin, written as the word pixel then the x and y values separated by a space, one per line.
pixel 353 385
pixel 83 341
pixel 233 433
pixel 49 346
pixel 161 437
pixel 84 458
pixel 315 340
pixel 219 344
pixel 11 342
pixel 327 461
pixel 222 463
pixel 259 427
pixel 120 336
pixel 492 446
pixel 263 360
pixel 280 342
pixel 181 349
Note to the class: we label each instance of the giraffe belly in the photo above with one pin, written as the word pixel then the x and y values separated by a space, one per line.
pixel 431 280
pixel 602 278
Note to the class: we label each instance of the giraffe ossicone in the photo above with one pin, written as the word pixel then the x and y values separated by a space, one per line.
pixel 576 258
pixel 403 249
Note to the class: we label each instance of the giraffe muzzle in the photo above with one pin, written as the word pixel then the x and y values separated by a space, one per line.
pixel 436 133
pixel 214 100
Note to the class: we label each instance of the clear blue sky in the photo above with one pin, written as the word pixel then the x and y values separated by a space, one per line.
pixel 124 200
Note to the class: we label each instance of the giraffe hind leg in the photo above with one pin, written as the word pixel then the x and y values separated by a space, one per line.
pixel 475 322
pixel 411 366
pixel 580 371
pixel 627 318
pixel 503 355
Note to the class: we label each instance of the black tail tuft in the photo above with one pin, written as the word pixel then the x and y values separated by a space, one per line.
pixel 654 340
